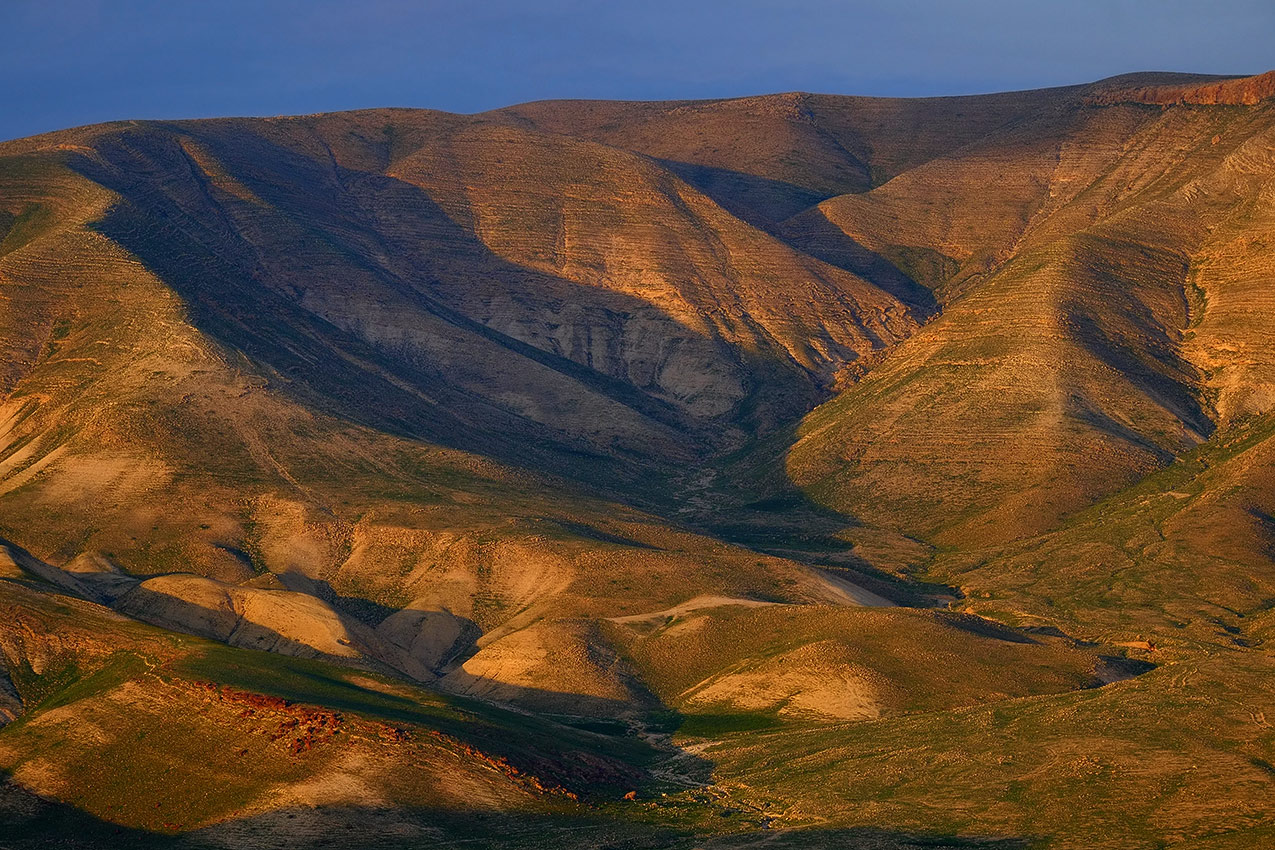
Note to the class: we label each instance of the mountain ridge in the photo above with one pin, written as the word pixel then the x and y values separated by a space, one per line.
pixel 713 445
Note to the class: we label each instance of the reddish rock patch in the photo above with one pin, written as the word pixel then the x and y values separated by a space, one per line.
pixel 1245 91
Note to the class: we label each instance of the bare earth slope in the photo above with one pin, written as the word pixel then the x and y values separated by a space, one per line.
pixel 1076 352
pixel 822 470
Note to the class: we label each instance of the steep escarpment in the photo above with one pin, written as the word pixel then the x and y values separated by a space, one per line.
pixel 1242 91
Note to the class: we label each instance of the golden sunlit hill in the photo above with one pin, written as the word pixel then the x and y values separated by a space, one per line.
pixel 796 471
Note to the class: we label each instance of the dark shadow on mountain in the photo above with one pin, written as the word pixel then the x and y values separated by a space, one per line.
pixel 1266 527
pixel 567 755
pixel 182 615
pixel 588 532
pixel 1174 396
pixel 336 371
pixel 812 233
pixel 758 507
pixel 862 838
pixel 983 627
pixel 548 703
pixel 359 828
pixel 404 631
pixel 595 765
pixel 31 822
pixel 760 201
pixel 262 279
pixel 770 205
pixel 11 704
pixel 364 610
pixel 42 572
pixel 1080 408
pixel 1119 668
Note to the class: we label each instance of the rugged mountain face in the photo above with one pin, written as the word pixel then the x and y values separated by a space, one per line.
pixel 1071 359
pixel 697 433
pixel 443 250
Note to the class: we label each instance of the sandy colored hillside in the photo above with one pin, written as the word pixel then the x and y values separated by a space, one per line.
pixel 1077 353
pixel 797 470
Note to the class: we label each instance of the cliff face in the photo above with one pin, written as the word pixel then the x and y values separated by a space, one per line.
pixel 1245 91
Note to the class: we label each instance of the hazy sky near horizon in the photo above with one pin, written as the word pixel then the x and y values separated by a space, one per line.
pixel 70 62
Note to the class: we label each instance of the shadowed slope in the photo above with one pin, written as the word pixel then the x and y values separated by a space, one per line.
pixel 673 308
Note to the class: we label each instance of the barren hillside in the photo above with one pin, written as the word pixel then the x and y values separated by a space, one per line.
pixel 861 472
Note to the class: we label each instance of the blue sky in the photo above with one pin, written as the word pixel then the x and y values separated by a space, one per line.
pixel 69 62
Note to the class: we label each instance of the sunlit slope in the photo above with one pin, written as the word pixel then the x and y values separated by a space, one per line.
pixel 208 488
pixel 721 664
pixel 1176 758
pixel 178 735
pixel 769 157
pixel 446 411
pixel 139 729
pixel 1182 556
pixel 1102 338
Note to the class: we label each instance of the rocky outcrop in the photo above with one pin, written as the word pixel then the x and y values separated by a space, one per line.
pixel 1244 91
